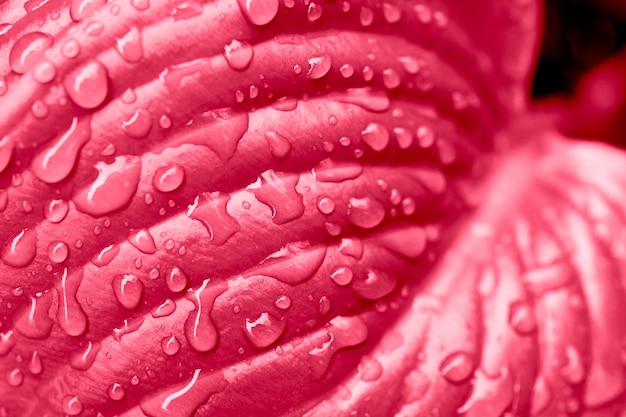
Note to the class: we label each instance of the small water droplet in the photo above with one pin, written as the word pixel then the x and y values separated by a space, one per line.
pixel 139 124
pixel 128 96
pixel 168 178
pixel 58 251
pixel 457 367
pixel 318 67
pixel 325 305
pixel 128 290
pixel 238 54
pixel 114 187
pixel 375 285
pixel 129 46
pixel 44 72
pixel 368 73
pixel 80 9
pixel 424 13
pixel 126 328
pixel 7 342
pixel 346 70
pixel 15 377
pixel 71 48
pixel 366 97
pixel 283 302
pixel 392 13
pixel 165 122
pixel 325 205
pixel 342 275
pixel 116 392
pixel 259 12
pixel 440 19
pixel 391 78
pixel 105 256
pixel 40 109
pixel 94 29
pixel 574 370
pixel 278 192
pixel 57 160
pixel 336 172
pixel 142 240
pixel 176 280
pixel 279 145
pixel 33 320
pixel 293 264
pixel 4 87
pixel 285 104
pixel 403 137
pixel 170 345
pixel 370 369
pixel 28 50
pixel 70 315
pixel 140 5
pixel 6 152
pixel 314 12
pixel 366 16
pixel 35 365
pixel 72 405
pixel 541 396
pixel 21 250
pixel 87 84
pixel 410 64
pixel 135 380
pixel 365 212
pixel 164 309
pixel 264 331
pixel 376 136
pixel 522 318
pixel 425 136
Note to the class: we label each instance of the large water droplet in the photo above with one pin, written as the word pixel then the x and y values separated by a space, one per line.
pixel 425 136
pixel 370 369
pixel 44 72
pixel 116 392
pixel 199 329
pixel 70 314
pixel 457 367
pixel 139 124
pixel 342 275
pixel 210 209
pixel 391 13
pixel 128 290
pixel 259 12
pixel 279 145
pixel 522 318
pixel 264 331
pixel 72 405
pixel 106 255
pixel 33 320
pixel 15 377
pixel 85 357
pixel 278 192
pixel 391 79
pixel 325 205
pixel 170 345
pixel 366 16
pixel 176 280
pixel 342 332
pixel 129 46
pixel 408 242
pixel 55 162
pixel 285 104
pixel 314 12
pixel 27 50
pixel 283 302
pixel 333 171
pixel 351 247
pixel 293 264
pixel 140 5
pixel 318 67
pixel 58 251
pixel 80 9
pixel 366 97
pixel 574 370
pixel 375 285
pixel 376 136
pixel 142 240
pixel 113 189
pixel 127 328
pixel 164 309
pixel 21 250
pixel 365 212
pixel 6 152
pixel 541 396
pixel 238 54
pixel 87 84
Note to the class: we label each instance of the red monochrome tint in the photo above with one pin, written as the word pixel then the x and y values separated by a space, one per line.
pixel 304 208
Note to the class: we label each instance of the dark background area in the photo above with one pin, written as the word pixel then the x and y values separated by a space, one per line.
pixel 579 34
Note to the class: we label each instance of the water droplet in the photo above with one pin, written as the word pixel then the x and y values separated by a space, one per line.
pixel 142 240
pixel 168 178
pixel 6 152
pixel 15 378
pixel 336 172
pixel 170 345
pixel 164 309
pixel 70 314
pixel 210 209
pixel 366 16
pixel 94 29
pixel 40 109
pixel 425 136
pixel 126 328
pixel 424 13
pixel 176 280
pixel 35 366
pixel 522 318
pixel 342 275
pixel 21 250
pixel 138 125
pixel 440 19
pixel 114 187
pixel 44 72
pixel 318 67
pixel 391 79
pixel 140 5
pixel 71 48
pixel 541 396
pixel 366 97
pixel 135 380
pixel 283 302
pixel 129 46
pixel 325 305
pixel 238 54
pixel 376 136
pixel 346 70
pixel 403 137
pixel 165 122
pixel 4 199
pixel 574 369
pixel 199 329
pixel 352 247
pixel 186 10
pixel 279 145
pixel 285 104
pixel 87 84
pixel 27 50
pixel 264 331
pixel 314 12
pixel 57 160
pixel 370 369
pixel 368 73
pixel 116 392
pixel 376 285
pixel 33 320
pixel 293 264
pixel 341 332
pixel 457 367
pixel 72 405
pixel 7 342
pixel 80 9
pixel 58 251
pixel 365 212
pixel 56 210
pixel 410 64
pixel 547 278
pixel 4 87
pixel 259 12
pixel 278 192
pixel 128 290
pixel 392 13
